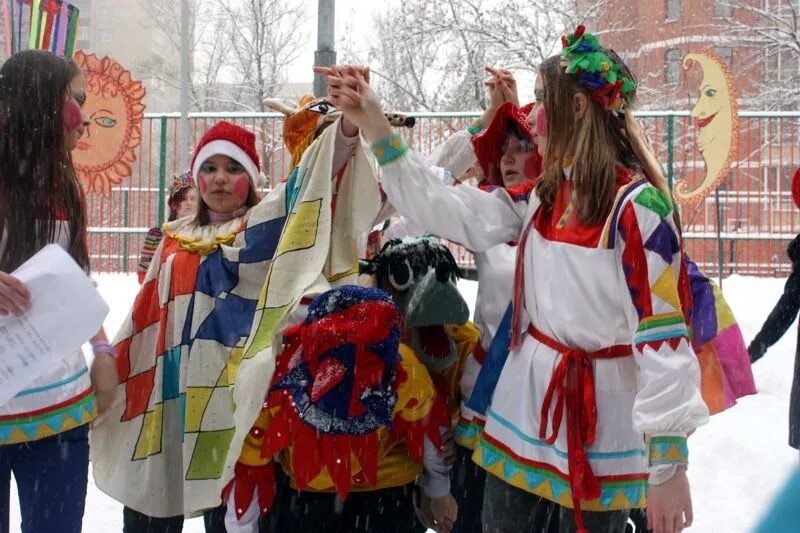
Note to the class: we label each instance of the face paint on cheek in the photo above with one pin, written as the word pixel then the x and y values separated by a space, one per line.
pixel 72 115
pixel 531 168
pixel 242 187
pixel 203 184
pixel 542 127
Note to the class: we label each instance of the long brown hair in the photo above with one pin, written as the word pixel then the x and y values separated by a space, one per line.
pixel 38 185
pixel 595 142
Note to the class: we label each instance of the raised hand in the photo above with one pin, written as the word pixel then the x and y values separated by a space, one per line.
pixel 503 85
pixel 349 90
pixel 502 89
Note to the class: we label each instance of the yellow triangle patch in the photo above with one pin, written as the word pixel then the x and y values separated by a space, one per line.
pixel 620 501
pixel 674 455
pixel 666 288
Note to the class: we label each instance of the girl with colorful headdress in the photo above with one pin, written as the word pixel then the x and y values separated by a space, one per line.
pixel 181 202
pixel 44 428
pixel 598 328
pixel 181 348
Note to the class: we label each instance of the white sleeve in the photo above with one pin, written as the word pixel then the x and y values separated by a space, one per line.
pixel 455 154
pixel 669 403
pixel 468 216
pixel 436 474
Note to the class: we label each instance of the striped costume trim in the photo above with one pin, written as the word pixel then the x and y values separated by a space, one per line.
pixel 669 451
pixel 50 421
pixel 468 432
pixel 617 492
pixel 389 149
pixel 654 330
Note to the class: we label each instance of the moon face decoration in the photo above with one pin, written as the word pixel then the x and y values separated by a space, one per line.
pixel 106 153
pixel 716 116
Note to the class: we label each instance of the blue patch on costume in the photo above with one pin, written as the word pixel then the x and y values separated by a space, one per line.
pixel 230 320
pixel 492 366
pixel 216 275
pixel 262 241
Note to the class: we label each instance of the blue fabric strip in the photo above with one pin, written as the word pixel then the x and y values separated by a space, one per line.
pixel 492 366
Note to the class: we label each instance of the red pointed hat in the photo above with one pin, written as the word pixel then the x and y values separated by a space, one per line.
pixel 488 145
pixel 796 188
pixel 233 141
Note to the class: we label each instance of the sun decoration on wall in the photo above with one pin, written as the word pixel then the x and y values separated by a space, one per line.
pixel 716 115
pixel 106 152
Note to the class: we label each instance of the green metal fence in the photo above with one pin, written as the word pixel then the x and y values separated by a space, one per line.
pixel 742 228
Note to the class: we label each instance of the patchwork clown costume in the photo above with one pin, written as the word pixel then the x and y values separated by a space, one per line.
pixel 349 410
pixel 182 347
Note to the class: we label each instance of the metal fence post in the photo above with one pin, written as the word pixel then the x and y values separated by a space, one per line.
pixel 162 171
pixel 670 148
pixel 125 220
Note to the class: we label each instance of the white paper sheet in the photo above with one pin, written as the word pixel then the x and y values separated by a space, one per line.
pixel 66 312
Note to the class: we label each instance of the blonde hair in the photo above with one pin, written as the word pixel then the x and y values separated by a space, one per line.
pixel 595 144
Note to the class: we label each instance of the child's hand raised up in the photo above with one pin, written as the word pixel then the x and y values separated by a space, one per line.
pixel 349 91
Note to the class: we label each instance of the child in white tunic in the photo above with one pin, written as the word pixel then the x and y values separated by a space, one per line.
pixel 599 331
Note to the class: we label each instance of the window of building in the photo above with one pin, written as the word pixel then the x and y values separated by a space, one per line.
pixel 105 36
pixel 725 53
pixel 723 8
pixel 673 9
pixel 673 61
pixel 106 13
pixel 83 33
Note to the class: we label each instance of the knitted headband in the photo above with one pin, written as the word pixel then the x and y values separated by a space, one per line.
pixel 583 57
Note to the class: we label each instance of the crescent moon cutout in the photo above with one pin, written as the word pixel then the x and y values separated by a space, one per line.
pixel 716 115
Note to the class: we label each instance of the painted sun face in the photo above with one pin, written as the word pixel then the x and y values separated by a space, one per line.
pixel 106 153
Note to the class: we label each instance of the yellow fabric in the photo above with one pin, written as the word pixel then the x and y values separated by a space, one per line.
pixel 466 338
pixel 203 240
pixel 415 398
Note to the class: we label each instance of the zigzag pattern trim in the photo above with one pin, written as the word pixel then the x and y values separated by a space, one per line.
pixel 618 492
pixel 81 412
pixel 669 451
pixel 389 149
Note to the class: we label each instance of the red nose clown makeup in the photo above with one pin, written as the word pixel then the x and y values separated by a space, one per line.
pixel 541 122
pixel 72 115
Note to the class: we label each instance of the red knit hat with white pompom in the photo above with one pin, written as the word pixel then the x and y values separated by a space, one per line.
pixel 235 142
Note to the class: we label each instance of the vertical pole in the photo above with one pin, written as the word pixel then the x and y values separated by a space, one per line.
pixel 325 55
pixel 670 150
pixel 183 147
pixel 125 216
pixel 720 245
pixel 162 172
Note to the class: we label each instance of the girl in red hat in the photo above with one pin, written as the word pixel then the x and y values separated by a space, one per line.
pixel 181 346
pixel 597 327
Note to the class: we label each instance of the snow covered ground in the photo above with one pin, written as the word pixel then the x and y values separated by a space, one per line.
pixel 738 460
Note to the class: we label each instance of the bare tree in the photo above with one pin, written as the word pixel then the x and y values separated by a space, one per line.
pixel 264 39
pixel 770 31
pixel 209 49
pixel 431 55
